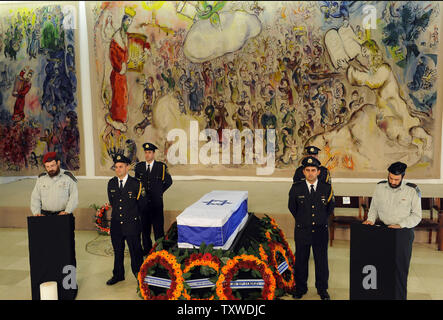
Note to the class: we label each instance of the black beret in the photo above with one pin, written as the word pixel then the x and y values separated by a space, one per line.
pixel 312 150
pixel 121 158
pixel 311 162
pixel 397 168
pixel 149 146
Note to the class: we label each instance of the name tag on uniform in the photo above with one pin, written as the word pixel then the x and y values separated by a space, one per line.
pixel 300 196
pixel 112 190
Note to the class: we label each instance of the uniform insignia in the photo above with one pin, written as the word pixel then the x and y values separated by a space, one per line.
pixel 42 174
pixel 70 175
pixel 118 157
pixel 309 160
pixel 383 181
pixel 413 185
pixel 312 150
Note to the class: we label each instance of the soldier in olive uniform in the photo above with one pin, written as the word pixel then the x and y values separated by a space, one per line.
pixel 156 180
pixel 125 197
pixel 311 202
pixel 324 176
pixel 55 191
pixel 397 204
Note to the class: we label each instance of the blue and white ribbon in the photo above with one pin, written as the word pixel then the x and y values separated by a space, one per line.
pixel 206 283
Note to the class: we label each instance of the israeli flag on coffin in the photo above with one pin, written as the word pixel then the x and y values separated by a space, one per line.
pixel 214 219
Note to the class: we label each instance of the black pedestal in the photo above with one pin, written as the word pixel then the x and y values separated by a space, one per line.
pixel 379 262
pixel 52 254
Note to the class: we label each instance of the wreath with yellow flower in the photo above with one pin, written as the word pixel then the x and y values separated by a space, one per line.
pixel 247 262
pixel 204 262
pixel 167 261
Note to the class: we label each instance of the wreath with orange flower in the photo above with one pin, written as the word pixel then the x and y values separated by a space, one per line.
pixel 201 260
pixel 234 265
pixel 285 279
pixel 101 223
pixel 167 261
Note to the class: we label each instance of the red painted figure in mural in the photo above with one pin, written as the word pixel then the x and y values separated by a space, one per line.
pixel 119 56
pixel 21 88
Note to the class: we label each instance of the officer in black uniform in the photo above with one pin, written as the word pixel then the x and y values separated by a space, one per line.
pixel 125 197
pixel 156 180
pixel 325 175
pixel 311 202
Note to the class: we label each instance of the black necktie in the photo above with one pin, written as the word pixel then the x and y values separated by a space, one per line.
pixel 312 189
pixel 121 185
pixel 149 168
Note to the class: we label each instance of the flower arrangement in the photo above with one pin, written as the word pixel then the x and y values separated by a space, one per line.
pixel 263 270
pixel 248 262
pixel 204 262
pixel 168 261
pixel 285 279
pixel 101 223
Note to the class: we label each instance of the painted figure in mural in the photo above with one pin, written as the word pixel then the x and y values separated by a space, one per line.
pixel 394 116
pixel 70 142
pixel 21 88
pixel 149 98
pixel 119 56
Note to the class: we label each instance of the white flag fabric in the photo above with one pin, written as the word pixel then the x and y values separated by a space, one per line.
pixel 214 219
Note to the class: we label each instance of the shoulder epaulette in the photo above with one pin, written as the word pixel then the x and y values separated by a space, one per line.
pixel 70 175
pixel 413 185
pixel 410 184
pixel 42 174
pixel 383 181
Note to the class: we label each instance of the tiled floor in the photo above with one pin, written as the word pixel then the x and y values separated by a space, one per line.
pixel 425 275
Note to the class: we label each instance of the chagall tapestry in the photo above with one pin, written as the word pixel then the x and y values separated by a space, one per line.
pixel 39 87
pixel 225 88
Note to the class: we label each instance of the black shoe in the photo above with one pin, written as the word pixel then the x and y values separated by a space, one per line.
pixel 114 280
pixel 298 294
pixel 324 295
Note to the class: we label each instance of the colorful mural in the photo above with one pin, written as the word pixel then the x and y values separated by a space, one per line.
pixel 358 79
pixel 39 93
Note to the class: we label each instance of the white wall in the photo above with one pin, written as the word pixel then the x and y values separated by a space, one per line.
pixel 86 100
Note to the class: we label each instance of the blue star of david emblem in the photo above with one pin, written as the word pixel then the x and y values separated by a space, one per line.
pixel 214 202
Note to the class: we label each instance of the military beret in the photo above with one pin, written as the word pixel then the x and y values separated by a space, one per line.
pixel 311 162
pixel 397 168
pixel 149 146
pixel 121 158
pixel 312 150
pixel 50 156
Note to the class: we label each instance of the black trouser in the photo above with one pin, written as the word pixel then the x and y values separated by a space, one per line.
pixel 318 240
pixel 135 251
pixel 404 253
pixel 152 217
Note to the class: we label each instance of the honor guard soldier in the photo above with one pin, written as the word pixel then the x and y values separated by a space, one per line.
pixel 125 197
pixel 55 191
pixel 311 202
pixel 156 180
pixel 324 176
pixel 397 204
